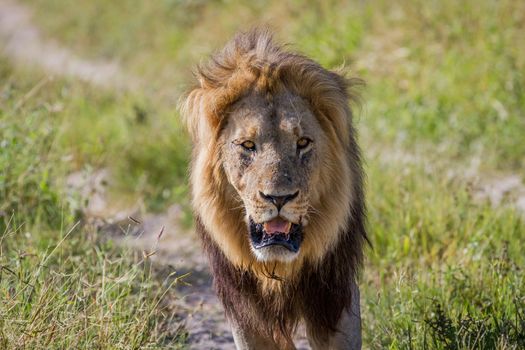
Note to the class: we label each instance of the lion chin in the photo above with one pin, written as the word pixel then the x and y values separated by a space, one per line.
pixel 275 240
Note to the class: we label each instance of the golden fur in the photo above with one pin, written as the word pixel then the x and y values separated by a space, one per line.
pixel 263 66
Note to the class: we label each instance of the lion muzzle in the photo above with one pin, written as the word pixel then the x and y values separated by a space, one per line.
pixel 276 232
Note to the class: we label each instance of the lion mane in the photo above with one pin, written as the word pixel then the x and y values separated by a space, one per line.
pixel 271 298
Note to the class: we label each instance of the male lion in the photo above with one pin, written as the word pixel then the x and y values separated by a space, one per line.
pixel 277 193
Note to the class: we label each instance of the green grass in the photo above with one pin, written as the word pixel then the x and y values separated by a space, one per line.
pixel 27 134
pixel 64 289
pixel 445 272
pixel 445 81
pixel 450 75
pixel 61 285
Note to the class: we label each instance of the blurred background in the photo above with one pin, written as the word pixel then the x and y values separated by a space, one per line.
pixel 96 244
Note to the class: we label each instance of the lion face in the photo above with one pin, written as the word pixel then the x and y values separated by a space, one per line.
pixel 270 154
pixel 275 173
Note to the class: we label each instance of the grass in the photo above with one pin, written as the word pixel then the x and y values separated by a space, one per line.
pixel 445 87
pixel 28 165
pixel 450 75
pixel 445 271
pixel 63 289
pixel 61 285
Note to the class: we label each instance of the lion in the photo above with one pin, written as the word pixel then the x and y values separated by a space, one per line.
pixel 277 193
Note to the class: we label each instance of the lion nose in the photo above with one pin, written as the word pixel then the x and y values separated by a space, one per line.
pixel 279 201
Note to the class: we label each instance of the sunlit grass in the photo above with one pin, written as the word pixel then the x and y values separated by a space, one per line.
pixel 445 271
pixel 62 285
pixel 65 289
pixel 445 81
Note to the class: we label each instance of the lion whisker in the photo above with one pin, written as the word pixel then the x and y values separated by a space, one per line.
pixel 313 210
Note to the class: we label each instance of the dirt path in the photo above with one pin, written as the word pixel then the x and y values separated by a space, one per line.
pixel 500 189
pixel 21 41
pixel 198 308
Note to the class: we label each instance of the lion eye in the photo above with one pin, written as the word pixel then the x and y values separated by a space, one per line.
pixel 249 145
pixel 303 142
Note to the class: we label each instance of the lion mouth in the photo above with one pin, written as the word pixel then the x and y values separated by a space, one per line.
pixel 276 232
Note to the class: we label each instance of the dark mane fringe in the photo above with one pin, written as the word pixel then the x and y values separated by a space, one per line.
pixel 318 295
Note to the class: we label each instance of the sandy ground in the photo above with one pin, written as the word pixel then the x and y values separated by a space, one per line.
pixel 21 41
pixel 199 308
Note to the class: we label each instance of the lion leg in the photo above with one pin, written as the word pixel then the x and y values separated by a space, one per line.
pixel 348 335
pixel 248 340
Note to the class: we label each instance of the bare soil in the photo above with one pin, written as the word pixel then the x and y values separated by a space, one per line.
pixel 22 42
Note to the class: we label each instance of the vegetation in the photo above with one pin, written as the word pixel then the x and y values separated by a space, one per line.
pixel 445 93
pixel 61 285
